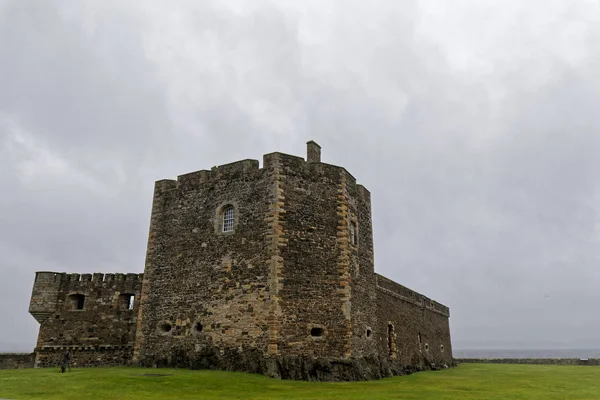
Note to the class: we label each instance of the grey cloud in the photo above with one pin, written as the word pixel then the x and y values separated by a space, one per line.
pixel 482 169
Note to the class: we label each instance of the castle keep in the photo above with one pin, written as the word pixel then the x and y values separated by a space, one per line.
pixel 259 269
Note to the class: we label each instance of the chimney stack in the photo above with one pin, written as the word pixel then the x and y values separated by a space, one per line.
pixel 313 152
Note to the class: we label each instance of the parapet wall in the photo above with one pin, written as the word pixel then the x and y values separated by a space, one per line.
pixel 234 170
pixel 395 289
pixel 415 328
pixel 298 166
pixel 250 168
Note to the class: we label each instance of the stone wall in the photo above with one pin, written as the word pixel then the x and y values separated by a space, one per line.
pixel 90 356
pixel 16 360
pixel 315 289
pixel 412 329
pixel 539 361
pixel 84 313
pixel 362 272
pixel 207 291
pixel 328 272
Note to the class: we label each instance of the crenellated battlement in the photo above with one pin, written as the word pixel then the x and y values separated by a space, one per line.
pixel 249 168
pixel 51 289
pixel 97 277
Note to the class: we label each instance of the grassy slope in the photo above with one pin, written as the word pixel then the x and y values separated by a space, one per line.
pixel 468 381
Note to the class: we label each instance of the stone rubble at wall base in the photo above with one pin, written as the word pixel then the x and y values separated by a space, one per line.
pixel 292 367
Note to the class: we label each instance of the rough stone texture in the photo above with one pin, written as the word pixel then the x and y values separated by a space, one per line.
pixel 101 333
pixel 16 360
pixel 419 325
pixel 313 152
pixel 210 287
pixel 291 292
pixel 539 361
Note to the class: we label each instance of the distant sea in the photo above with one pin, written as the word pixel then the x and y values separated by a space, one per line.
pixel 500 353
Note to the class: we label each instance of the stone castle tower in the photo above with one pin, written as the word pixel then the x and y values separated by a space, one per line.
pixel 260 269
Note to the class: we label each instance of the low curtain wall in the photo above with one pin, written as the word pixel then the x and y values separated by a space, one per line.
pixel 16 360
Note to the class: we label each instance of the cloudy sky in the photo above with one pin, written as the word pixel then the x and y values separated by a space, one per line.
pixel 475 125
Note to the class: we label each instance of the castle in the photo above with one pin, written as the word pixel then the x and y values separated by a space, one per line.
pixel 266 270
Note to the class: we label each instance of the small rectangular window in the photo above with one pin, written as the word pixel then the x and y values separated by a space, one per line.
pixel 127 301
pixel 77 301
pixel 131 303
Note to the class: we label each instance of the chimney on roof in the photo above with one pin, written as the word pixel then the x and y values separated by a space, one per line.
pixel 313 152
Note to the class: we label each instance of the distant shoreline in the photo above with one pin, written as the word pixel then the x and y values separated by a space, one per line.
pixel 535 361
pixel 525 353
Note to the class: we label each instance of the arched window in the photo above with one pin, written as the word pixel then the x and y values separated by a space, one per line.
pixel 227 218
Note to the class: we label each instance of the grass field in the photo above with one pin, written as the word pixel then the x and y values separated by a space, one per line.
pixel 468 381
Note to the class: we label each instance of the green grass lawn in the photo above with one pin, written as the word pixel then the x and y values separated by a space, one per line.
pixel 467 381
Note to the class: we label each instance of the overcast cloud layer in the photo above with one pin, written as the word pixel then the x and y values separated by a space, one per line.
pixel 475 125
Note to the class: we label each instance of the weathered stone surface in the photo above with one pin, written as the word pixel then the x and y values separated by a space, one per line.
pixel 100 332
pixel 421 331
pixel 290 366
pixel 16 360
pixel 290 291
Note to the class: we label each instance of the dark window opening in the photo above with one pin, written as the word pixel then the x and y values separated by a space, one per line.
pixel 77 301
pixel 353 233
pixel 165 327
pixel 127 301
pixel 369 332
pixel 419 337
pixel 391 345
pixel 317 332
pixel 442 348
pixel 426 347
pixel 199 327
